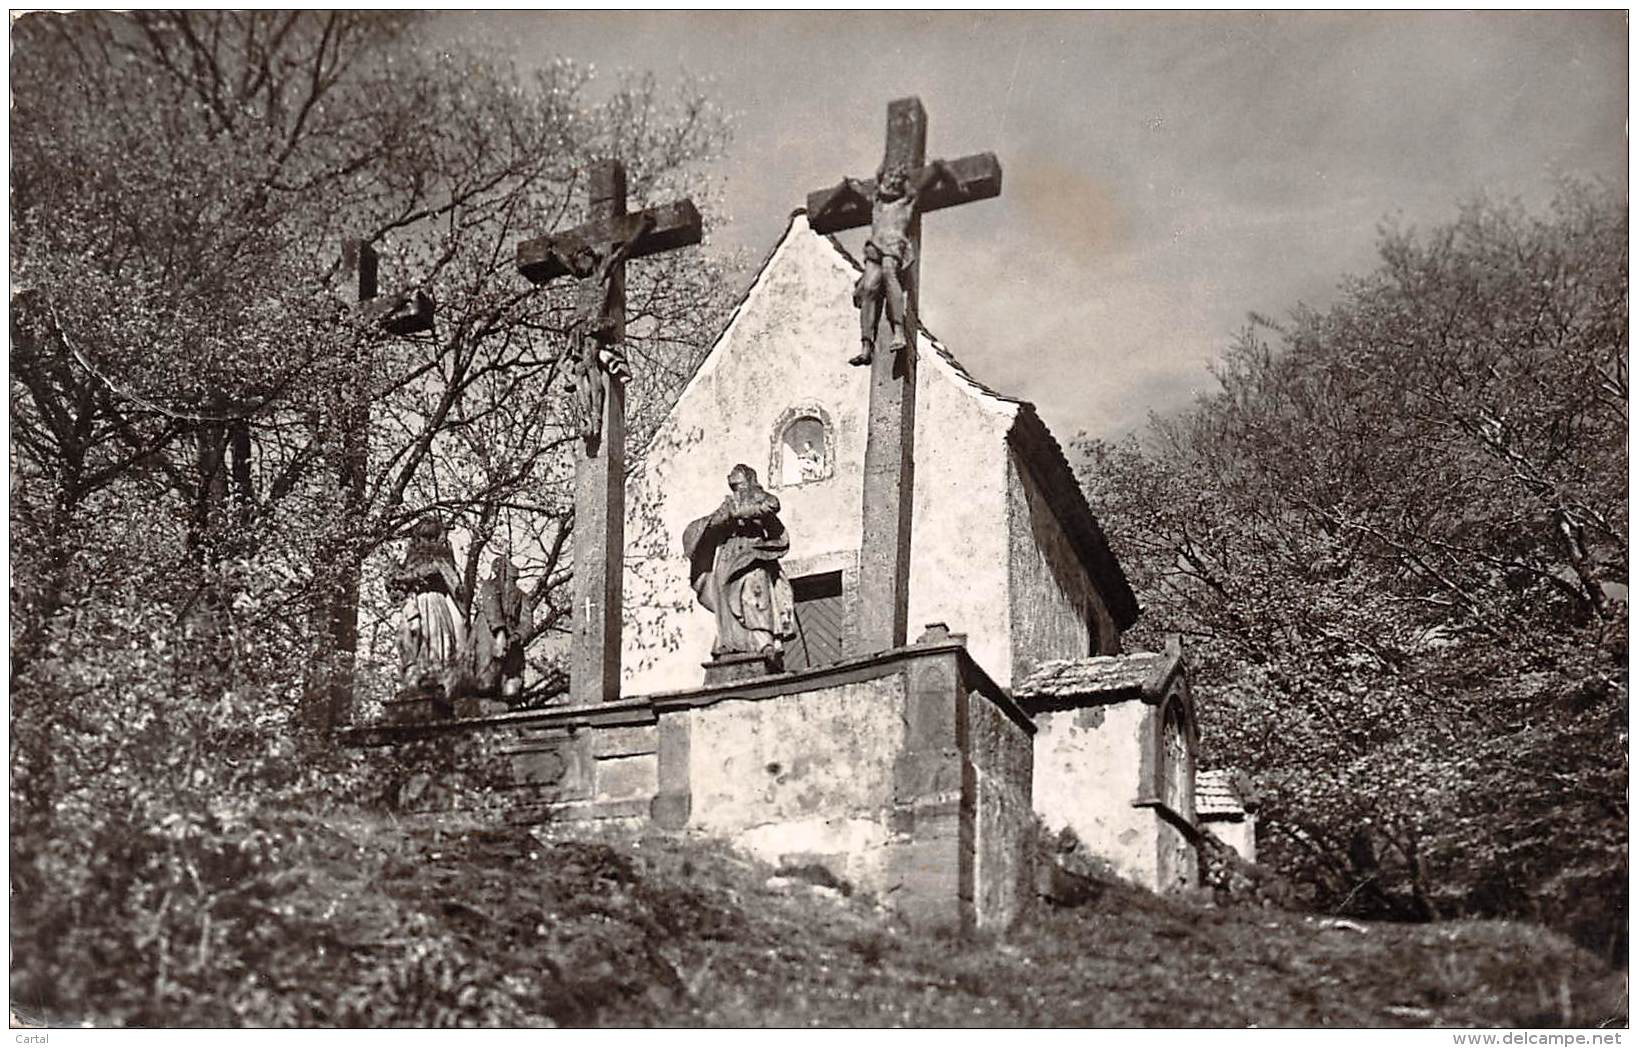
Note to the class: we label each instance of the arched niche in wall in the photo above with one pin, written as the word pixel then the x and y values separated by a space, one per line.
pixel 1170 742
pixel 1176 758
pixel 803 447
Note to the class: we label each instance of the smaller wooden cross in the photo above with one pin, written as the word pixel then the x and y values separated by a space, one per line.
pixel 406 313
pixel 401 314
pixel 395 315
pixel 596 253
pixel 883 600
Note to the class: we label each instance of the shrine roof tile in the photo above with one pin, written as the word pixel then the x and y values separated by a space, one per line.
pixel 1218 793
pixel 1090 676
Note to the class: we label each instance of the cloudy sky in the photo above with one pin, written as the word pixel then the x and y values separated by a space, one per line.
pixel 1165 173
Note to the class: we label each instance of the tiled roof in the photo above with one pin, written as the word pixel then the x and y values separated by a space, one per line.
pixel 1218 793
pixel 1097 674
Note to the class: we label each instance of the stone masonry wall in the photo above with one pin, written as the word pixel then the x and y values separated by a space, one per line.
pixel 1056 612
pixel 1000 760
pixel 1088 770
pixel 800 779
pixel 906 774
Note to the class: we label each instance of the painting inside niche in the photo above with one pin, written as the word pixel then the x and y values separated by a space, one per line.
pixel 803 457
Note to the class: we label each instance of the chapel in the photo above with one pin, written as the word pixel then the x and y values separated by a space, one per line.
pixel 943 688
pixel 1005 554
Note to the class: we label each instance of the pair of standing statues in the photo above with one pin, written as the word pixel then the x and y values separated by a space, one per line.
pixel 435 643
pixel 733 553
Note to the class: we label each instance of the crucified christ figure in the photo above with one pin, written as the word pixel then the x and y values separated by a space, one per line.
pixel 891 251
pixel 596 330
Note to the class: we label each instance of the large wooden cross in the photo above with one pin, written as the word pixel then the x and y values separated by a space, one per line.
pixel 609 234
pixel 400 314
pixel 883 607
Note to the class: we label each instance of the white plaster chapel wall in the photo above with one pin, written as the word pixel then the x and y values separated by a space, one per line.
pixel 785 353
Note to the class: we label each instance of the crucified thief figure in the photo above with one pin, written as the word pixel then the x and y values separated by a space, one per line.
pixel 596 328
pixel 890 252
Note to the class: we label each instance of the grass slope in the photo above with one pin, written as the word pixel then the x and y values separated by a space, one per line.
pixel 383 924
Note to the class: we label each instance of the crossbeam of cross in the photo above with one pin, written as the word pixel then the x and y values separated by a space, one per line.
pixel 404 313
pixel 675 225
pixel 980 172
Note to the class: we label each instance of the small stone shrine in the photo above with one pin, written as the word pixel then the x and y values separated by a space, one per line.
pixel 1226 805
pixel 894 644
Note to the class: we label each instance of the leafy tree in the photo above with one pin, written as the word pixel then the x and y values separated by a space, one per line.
pixel 182 185
pixel 1397 536
pixel 213 448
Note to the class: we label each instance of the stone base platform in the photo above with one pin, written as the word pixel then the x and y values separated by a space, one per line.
pixel 414 705
pixel 725 669
pixel 906 773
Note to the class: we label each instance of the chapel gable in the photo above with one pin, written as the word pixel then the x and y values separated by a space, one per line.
pixel 1003 547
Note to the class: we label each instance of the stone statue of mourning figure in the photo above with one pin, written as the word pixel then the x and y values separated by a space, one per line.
pixel 496 638
pixel 431 632
pixel 734 556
